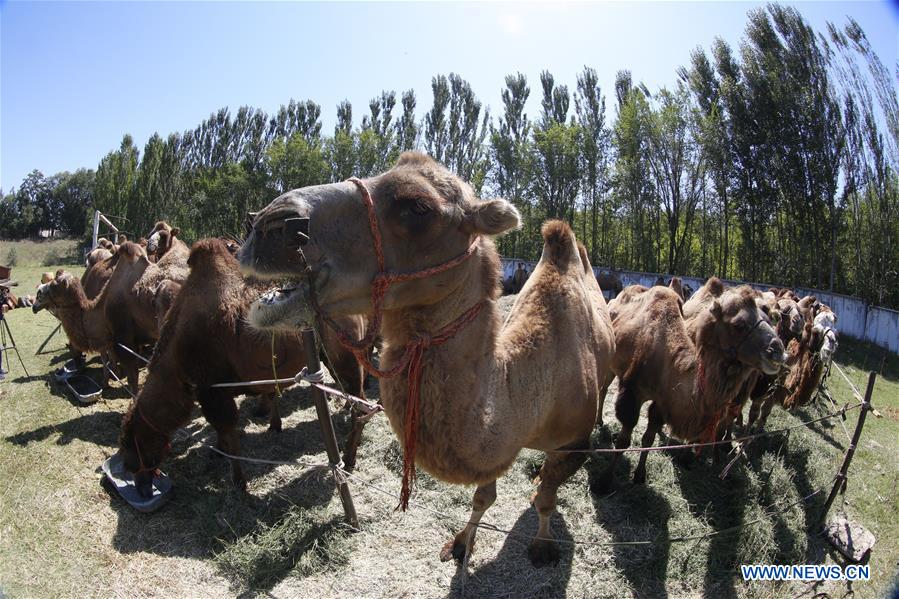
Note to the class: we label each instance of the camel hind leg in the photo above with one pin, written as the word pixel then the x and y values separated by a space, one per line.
pixel 557 468
pixel 455 548
pixel 220 410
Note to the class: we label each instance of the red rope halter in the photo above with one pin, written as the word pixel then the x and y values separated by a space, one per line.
pixel 414 350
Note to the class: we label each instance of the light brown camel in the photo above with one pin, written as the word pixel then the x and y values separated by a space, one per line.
pixel 128 310
pixel 164 239
pixel 488 389
pixel 209 319
pixel 690 384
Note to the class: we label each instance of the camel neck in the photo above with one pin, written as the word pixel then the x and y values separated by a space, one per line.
pixel 85 323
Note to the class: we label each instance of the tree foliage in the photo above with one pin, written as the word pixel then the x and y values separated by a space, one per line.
pixel 772 161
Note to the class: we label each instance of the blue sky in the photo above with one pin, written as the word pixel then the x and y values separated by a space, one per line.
pixel 74 77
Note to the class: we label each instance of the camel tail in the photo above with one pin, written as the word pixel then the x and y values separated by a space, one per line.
pixel 559 244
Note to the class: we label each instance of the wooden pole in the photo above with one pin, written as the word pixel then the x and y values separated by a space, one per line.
pixel 324 419
pixel 840 482
pixel 96 232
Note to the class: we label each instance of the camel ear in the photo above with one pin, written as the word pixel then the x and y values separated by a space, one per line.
pixel 491 218
pixel 175 232
pixel 716 310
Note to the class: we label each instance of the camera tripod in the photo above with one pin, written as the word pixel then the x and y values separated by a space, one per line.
pixel 6 337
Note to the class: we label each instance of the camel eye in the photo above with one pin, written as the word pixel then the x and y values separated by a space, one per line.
pixel 420 208
pixel 740 326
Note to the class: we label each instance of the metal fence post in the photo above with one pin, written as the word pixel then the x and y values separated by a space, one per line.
pixel 841 476
pixel 324 419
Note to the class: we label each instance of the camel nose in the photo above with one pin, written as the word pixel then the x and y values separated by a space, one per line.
pixel 776 352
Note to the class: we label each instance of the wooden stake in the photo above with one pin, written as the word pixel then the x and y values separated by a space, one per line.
pixel 324 419
pixel 840 482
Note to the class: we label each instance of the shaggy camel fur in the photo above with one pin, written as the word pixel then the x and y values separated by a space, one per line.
pixel 489 390
pixel 690 384
pixel 164 239
pixel 209 319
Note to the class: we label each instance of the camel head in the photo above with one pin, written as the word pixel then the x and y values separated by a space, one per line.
pixel 792 321
pixel 104 243
pixel 63 291
pixel 142 448
pixel 161 238
pixel 426 216
pixel 737 326
pixel 825 329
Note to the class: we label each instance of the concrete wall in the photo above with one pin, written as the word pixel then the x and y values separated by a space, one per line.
pixel 854 318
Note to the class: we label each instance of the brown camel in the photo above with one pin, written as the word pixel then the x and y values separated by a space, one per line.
pixel 96 276
pixel 98 254
pixel 128 310
pixel 209 319
pixel 690 384
pixel 488 389
pixel 610 281
pixel 164 239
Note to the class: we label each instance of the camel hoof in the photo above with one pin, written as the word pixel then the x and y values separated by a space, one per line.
pixel 453 550
pixel 639 476
pixel 543 552
pixel 349 463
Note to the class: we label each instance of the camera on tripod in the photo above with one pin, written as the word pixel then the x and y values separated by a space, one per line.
pixel 6 339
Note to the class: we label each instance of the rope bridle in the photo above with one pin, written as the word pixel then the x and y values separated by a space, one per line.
pixel 411 359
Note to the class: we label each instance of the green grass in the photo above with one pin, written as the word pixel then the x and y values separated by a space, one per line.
pixel 63 534
pixel 53 252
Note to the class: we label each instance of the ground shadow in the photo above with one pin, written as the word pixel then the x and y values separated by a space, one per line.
pixel 720 503
pixel 550 581
pixel 634 513
pixel 99 428
pixel 207 511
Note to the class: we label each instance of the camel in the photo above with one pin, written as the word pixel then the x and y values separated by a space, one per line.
pixel 610 281
pixel 766 390
pixel 690 383
pixel 209 319
pixel 128 310
pixel 98 274
pixel 98 254
pixel 163 239
pixel 485 389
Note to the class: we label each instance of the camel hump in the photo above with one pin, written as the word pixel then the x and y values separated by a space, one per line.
pixel 585 260
pixel 204 249
pixel 130 250
pixel 715 286
pixel 559 244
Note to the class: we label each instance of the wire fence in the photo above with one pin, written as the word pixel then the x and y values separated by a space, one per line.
pixel 341 475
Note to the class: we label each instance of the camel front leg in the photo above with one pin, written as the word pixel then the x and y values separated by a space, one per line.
pixel 627 410
pixel 652 429
pixel 354 437
pixel 267 405
pixel 557 468
pixel 484 496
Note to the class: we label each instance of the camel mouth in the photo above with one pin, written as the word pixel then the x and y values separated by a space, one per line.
pixel 770 366
pixel 283 308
